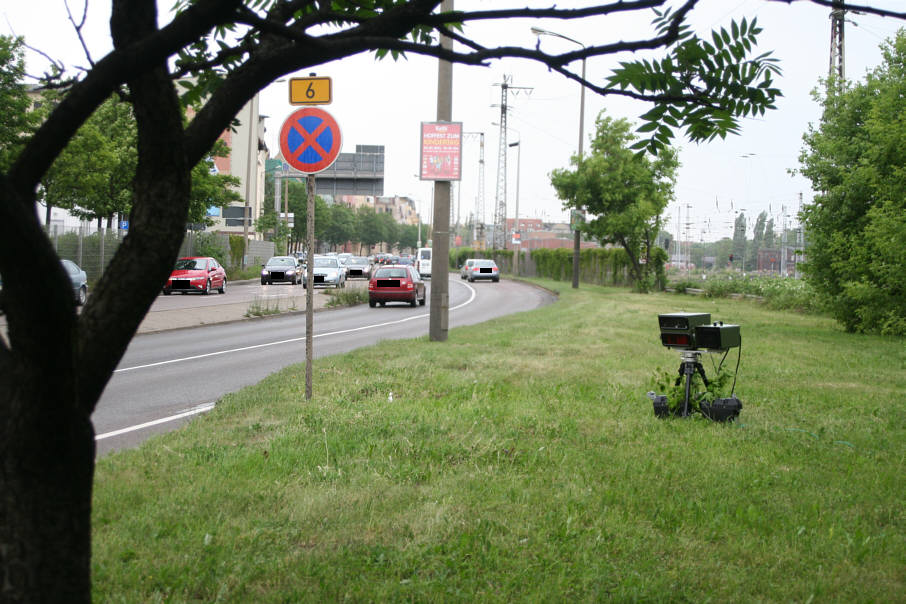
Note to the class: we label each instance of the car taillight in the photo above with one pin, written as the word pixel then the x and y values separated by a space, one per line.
pixel 409 285
pixel 371 285
pixel 475 269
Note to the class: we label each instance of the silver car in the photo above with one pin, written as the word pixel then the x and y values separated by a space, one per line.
pixel 327 272
pixel 466 268
pixel 79 281
pixel 358 266
pixel 480 268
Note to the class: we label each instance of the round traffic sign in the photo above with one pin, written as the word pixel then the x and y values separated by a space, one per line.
pixel 310 140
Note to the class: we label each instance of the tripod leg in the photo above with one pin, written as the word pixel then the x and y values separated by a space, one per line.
pixel 689 369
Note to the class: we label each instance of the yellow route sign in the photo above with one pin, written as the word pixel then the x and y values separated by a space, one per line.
pixel 309 91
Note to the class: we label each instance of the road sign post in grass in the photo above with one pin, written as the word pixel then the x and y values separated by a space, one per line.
pixel 310 141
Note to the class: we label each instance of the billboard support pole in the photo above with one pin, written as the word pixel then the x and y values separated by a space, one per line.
pixel 440 252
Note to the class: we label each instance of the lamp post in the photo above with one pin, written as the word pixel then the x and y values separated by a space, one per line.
pixel 577 240
pixel 517 241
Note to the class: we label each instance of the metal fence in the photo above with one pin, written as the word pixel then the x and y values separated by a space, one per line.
pixel 92 249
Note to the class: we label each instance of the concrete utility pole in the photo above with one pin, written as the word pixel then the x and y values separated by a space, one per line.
pixel 440 248
pixel 250 160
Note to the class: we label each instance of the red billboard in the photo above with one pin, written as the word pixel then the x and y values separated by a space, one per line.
pixel 441 156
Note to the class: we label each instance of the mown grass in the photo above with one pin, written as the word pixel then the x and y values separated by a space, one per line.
pixel 521 461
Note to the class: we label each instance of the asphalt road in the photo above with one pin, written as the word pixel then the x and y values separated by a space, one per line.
pixel 166 378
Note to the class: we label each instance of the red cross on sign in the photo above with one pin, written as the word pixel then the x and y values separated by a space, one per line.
pixel 310 140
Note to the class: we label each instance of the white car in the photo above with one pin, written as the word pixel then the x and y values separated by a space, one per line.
pixel 327 272
pixel 423 261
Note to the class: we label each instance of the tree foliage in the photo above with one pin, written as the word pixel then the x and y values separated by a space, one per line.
pixel 625 192
pixel 856 224
pixel 701 86
pixel 18 121
pixel 211 189
pixel 92 177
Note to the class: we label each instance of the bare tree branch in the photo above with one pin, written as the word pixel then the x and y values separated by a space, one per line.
pixel 849 6
pixel 78 28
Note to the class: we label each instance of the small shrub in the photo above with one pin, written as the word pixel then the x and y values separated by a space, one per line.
pixel 666 382
pixel 346 297
pixel 262 306
pixel 681 286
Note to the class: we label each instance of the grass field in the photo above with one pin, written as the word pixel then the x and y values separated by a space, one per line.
pixel 521 461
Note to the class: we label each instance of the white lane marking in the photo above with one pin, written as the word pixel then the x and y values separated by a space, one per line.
pixel 193 411
pixel 292 340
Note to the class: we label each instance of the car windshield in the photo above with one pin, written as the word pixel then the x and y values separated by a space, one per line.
pixel 191 264
pixel 485 263
pixel 281 261
pixel 358 260
pixel 326 262
pixel 391 273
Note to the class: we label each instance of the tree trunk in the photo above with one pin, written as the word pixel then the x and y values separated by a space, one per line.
pixel 46 437
pixel 57 362
pixel 46 484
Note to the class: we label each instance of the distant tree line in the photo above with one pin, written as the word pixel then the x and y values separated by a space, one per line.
pixel 739 252
pixel 335 225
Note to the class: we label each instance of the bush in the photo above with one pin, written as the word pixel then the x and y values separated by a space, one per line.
pixel 237 249
pixel 237 273
pixel 682 285
pixel 346 297
pixel 210 244
pixel 599 266
pixel 778 293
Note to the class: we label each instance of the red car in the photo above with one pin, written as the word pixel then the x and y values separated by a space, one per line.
pixel 196 274
pixel 396 283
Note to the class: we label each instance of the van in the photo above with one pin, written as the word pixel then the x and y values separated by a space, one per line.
pixel 423 261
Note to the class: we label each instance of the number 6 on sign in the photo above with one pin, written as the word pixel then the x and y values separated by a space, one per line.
pixel 309 91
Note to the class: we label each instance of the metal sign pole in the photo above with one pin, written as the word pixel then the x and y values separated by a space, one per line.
pixel 310 284
pixel 296 136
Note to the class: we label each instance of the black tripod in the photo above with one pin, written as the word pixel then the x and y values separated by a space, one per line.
pixel 690 364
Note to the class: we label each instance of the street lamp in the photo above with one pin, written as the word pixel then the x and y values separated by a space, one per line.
pixel 517 237
pixel 577 241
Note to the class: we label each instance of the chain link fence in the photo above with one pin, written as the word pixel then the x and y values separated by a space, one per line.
pixel 92 249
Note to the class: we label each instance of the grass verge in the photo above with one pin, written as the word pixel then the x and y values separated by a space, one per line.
pixel 267 305
pixel 521 461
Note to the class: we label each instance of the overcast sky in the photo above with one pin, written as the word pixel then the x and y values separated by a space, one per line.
pixel 383 103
